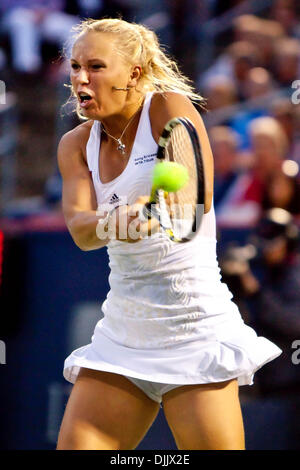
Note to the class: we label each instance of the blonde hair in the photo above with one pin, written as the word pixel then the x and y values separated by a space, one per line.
pixel 139 45
pixel 270 127
pixel 224 134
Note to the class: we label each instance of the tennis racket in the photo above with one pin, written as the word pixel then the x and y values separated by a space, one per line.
pixel 179 213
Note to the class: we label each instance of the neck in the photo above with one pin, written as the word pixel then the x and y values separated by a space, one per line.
pixel 116 123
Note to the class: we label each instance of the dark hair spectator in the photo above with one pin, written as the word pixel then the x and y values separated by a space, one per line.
pixel 286 113
pixel 243 204
pixel 276 304
pixel 263 33
pixel 234 64
pixel 283 189
pixel 286 61
pixel 285 12
pixel 224 143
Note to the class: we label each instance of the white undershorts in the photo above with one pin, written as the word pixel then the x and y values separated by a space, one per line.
pixel 154 390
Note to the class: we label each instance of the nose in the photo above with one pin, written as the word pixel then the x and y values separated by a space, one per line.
pixel 83 76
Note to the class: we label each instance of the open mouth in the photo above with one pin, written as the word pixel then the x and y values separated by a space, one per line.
pixel 84 97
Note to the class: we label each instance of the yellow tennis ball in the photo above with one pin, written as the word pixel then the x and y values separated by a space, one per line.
pixel 169 176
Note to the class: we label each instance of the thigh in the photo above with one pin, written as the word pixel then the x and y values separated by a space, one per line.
pixel 205 417
pixel 105 411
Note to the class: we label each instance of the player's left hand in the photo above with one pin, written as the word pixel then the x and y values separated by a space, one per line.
pixel 135 226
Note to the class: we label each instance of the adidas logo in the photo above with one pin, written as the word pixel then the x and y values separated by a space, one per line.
pixel 114 199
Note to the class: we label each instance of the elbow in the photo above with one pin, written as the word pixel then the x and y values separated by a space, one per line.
pixel 81 246
pixel 76 235
pixel 83 236
pixel 81 243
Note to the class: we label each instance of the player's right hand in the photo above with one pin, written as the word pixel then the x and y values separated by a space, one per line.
pixel 128 227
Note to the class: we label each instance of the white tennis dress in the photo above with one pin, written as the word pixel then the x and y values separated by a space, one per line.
pixel 168 318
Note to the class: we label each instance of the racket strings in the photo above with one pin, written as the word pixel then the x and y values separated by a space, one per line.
pixel 183 203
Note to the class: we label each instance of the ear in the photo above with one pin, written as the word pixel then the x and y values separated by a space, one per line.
pixel 134 76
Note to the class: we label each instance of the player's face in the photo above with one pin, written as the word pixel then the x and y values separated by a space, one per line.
pixel 96 68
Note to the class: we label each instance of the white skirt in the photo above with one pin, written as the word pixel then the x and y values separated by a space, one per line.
pixel 230 350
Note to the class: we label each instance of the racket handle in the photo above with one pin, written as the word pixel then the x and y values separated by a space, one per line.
pixel 145 212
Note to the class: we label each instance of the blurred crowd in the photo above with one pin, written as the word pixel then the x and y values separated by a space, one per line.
pixel 255 121
pixel 244 58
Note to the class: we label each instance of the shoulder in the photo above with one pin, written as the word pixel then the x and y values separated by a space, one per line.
pixel 165 106
pixel 77 137
pixel 169 98
pixel 75 140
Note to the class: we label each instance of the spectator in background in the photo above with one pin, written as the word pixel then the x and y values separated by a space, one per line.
pixel 264 277
pixel 236 273
pixel 28 23
pixel 242 205
pixel 295 151
pixel 276 303
pixel 234 63
pixel 285 13
pixel 257 86
pixel 288 115
pixel 263 33
pixel 220 92
pixel 224 143
pixel 283 189
pixel 286 62
pixel 245 27
pixel 245 56
pixel 258 82
pixel 284 111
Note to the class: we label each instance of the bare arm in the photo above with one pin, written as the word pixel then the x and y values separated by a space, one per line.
pixel 78 198
pixel 171 105
pixel 79 201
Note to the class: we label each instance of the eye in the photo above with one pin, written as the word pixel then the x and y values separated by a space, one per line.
pixel 97 66
pixel 75 66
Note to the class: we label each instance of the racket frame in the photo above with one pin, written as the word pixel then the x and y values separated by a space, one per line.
pixel 150 209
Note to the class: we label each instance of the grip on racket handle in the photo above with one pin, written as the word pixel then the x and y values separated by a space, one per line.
pixel 145 212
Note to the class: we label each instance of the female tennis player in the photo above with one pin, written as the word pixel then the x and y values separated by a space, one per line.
pixel 170 333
